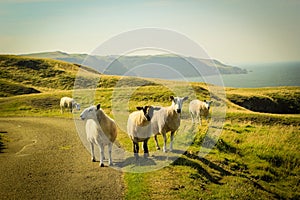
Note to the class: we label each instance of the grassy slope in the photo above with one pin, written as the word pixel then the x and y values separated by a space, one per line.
pixel 282 100
pixel 257 155
pixel 251 159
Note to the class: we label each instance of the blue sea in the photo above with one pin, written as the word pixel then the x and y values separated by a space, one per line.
pixel 263 75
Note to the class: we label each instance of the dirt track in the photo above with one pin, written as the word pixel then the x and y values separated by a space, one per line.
pixel 45 159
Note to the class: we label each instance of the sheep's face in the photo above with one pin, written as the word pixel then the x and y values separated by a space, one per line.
pixel 77 106
pixel 207 104
pixel 177 103
pixel 148 111
pixel 90 112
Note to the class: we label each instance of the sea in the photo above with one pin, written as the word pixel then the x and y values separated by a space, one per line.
pixel 260 75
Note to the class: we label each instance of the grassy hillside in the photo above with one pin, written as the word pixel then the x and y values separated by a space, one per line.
pixel 11 89
pixel 282 100
pixel 256 156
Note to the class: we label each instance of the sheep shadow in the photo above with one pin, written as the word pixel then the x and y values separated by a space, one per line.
pixel 222 171
pixel 141 161
pixel 190 163
pixel 168 156
pixel 210 164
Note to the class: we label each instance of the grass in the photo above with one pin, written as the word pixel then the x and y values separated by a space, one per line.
pixel 248 162
pixel 138 189
pixel 12 89
pixel 255 157
pixel 2 140
pixel 282 100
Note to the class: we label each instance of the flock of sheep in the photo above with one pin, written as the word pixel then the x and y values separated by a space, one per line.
pixel 147 120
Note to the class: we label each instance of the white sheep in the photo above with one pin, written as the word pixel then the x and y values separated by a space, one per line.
pixel 139 128
pixel 167 119
pixel 100 130
pixel 199 108
pixel 67 102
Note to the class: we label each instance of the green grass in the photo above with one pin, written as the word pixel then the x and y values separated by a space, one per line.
pixel 282 100
pixel 248 162
pixel 137 189
pixel 12 89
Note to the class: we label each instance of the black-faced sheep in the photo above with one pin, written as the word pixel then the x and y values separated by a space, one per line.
pixel 199 108
pixel 167 119
pixel 139 128
pixel 67 102
pixel 100 130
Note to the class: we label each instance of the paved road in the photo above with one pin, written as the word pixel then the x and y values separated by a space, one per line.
pixel 45 159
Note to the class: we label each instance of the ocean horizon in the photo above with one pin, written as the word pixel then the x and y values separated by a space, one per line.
pixel 261 75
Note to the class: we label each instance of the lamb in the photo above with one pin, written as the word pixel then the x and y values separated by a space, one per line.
pixel 199 108
pixel 139 128
pixel 67 102
pixel 100 130
pixel 167 119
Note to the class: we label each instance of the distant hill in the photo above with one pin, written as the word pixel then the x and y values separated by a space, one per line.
pixel 25 74
pixel 154 66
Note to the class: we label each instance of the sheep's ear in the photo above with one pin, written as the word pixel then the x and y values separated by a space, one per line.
pixel 139 108
pixel 98 106
pixel 171 97
pixel 185 98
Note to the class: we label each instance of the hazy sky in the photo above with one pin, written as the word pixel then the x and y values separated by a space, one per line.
pixel 232 31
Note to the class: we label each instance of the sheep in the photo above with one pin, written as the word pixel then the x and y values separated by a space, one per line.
pixel 67 102
pixel 139 128
pixel 167 119
pixel 199 108
pixel 100 130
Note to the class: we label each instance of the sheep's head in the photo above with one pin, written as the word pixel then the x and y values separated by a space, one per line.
pixel 90 112
pixel 77 106
pixel 208 103
pixel 177 103
pixel 147 110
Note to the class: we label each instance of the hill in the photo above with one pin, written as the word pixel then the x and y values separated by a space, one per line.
pixel 280 100
pixel 255 157
pixel 25 75
pixel 115 65
pixel 38 73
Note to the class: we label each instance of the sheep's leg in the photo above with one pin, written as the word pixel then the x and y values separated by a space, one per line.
pixel 92 153
pixel 207 119
pixel 156 142
pixel 165 142
pixel 193 121
pixel 171 142
pixel 101 147
pixel 145 147
pixel 61 110
pixel 109 154
pixel 199 119
pixel 136 149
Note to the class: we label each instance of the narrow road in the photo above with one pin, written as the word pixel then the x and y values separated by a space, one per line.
pixel 45 159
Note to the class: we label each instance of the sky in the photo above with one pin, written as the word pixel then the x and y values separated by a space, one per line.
pixel 232 31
